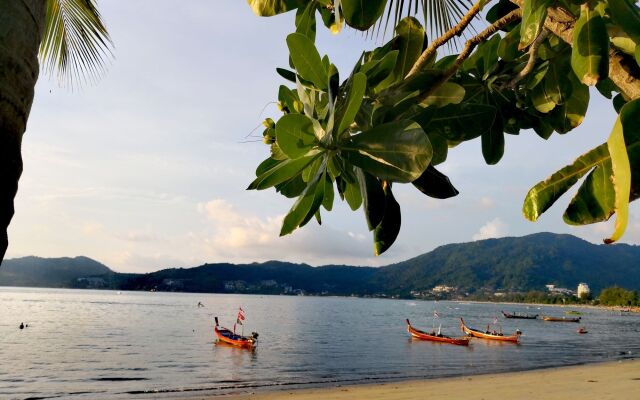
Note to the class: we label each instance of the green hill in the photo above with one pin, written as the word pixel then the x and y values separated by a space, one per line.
pixel 510 264
pixel 49 272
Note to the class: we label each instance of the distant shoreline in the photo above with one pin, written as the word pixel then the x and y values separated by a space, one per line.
pixel 598 381
pixel 634 309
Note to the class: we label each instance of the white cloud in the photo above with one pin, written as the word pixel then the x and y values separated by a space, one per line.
pixel 487 202
pixel 247 238
pixel 493 229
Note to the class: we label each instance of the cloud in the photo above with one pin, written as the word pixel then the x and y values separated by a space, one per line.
pixel 240 237
pixel 493 229
pixel 487 202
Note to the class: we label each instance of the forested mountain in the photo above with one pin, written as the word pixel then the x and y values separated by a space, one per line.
pixel 512 264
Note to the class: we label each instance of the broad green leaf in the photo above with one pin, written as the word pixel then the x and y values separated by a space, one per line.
pixel 541 100
pixel 379 70
pixel 282 172
pixel 461 122
pixel 295 134
pixel 571 113
pixel 292 188
pixel 638 54
pixel 307 60
pixel 387 231
pixel 306 21
pixel 361 14
pixel 410 39
pixel 493 143
pixel 286 74
pixel 268 8
pixel 352 195
pixel 372 198
pixel 327 200
pixel 533 15
pixel 590 53
pixel 397 151
pixel 440 147
pixel 435 184
pixel 626 14
pixel 348 108
pixel 623 143
pixel 508 47
pixel 621 180
pixel 555 88
pixel 594 201
pixel 445 94
pixel 307 204
pixel 544 194
pixel 287 99
pixel 419 83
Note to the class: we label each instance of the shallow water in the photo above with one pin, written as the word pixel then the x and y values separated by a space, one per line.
pixel 101 344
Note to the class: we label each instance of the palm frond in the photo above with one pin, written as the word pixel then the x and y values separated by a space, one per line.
pixel 76 44
pixel 439 15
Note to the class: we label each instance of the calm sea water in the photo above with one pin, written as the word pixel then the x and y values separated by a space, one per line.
pixel 104 344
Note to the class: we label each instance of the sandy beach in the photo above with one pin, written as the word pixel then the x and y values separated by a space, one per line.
pixel 618 380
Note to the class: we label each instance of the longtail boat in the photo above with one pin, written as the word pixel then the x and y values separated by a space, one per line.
pixel 489 335
pixel 227 336
pixel 561 319
pixel 520 316
pixel 434 337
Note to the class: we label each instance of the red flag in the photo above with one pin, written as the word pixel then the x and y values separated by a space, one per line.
pixel 240 316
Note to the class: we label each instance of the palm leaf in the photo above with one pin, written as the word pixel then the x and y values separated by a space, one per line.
pixel 439 15
pixel 75 44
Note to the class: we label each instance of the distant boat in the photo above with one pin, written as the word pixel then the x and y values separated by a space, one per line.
pixel 227 336
pixel 520 316
pixel 489 335
pixel 435 337
pixel 573 312
pixel 582 330
pixel 561 319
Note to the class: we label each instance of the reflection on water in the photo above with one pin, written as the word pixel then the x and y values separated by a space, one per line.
pixel 88 344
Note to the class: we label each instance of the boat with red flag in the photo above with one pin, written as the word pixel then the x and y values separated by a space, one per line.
pixel 435 336
pixel 231 337
pixel 491 335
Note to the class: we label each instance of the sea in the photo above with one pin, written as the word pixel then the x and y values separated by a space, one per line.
pixel 86 344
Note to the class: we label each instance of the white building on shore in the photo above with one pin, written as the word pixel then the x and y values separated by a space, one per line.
pixel 583 290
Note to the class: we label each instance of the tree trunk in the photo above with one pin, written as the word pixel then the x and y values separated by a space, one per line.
pixel 21 29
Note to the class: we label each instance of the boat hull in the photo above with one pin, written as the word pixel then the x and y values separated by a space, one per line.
pixel 482 335
pixel 418 334
pixel 226 336
pixel 561 319
pixel 521 316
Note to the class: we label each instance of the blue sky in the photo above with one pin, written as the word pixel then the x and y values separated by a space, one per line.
pixel 147 169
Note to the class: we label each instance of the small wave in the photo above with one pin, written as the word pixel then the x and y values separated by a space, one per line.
pixel 119 379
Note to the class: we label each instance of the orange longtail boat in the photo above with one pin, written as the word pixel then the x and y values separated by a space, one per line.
pixel 433 337
pixel 227 336
pixel 491 336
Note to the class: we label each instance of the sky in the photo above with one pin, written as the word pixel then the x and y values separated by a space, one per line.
pixel 147 169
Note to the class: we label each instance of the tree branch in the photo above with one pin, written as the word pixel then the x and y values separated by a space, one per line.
pixel 624 74
pixel 455 31
pixel 533 56
pixel 468 49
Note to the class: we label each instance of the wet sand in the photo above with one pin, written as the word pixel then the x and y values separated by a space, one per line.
pixel 618 380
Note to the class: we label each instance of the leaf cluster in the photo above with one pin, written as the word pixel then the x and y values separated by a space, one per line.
pixel 402 107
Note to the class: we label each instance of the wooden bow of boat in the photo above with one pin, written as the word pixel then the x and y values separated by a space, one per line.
pixel 418 334
pixel 490 336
